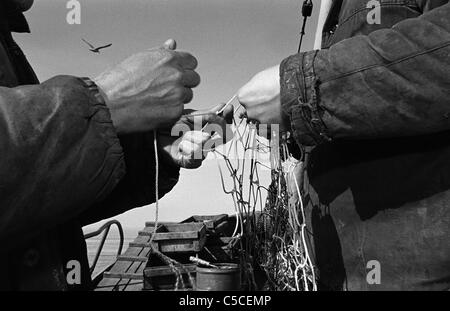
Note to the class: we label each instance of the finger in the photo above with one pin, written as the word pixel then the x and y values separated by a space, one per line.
pixel 247 94
pixel 217 108
pixel 170 44
pixel 251 114
pixel 228 114
pixel 186 60
pixel 199 117
pixel 242 96
pixel 197 137
pixel 187 112
pixel 190 78
pixel 191 146
pixel 188 95
pixel 243 115
pixel 225 116
pixel 210 116
pixel 191 150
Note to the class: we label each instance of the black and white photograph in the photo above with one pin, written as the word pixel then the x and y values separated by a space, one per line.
pixel 214 153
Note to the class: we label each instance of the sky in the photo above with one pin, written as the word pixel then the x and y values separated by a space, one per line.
pixel 232 40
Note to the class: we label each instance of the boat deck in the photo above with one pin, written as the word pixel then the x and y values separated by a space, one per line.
pixel 127 272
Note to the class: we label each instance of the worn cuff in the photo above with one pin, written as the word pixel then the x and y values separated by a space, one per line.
pixel 300 99
pixel 93 89
pixel 100 114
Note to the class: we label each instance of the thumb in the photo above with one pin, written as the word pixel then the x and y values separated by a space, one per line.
pixel 246 94
pixel 170 44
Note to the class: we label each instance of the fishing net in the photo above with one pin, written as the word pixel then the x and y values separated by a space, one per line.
pixel 270 234
pixel 271 225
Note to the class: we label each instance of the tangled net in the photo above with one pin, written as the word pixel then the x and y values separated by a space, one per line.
pixel 271 224
pixel 271 231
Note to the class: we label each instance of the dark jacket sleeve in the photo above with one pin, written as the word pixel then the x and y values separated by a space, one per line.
pixel 394 82
pixel 59 154
pixel 137 188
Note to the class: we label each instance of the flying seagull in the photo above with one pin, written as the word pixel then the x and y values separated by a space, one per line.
pixel 96 49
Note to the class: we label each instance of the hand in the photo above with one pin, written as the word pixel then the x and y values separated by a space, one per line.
pixel 187 150
pixel 148 90
pixel 261 98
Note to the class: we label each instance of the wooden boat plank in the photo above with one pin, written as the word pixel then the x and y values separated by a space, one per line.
pixel 132 258
pixel 134 269
pixel 109 284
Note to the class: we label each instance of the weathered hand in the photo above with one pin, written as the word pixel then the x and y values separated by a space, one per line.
pixel 187 149
pixel 148 90
pixel 261 98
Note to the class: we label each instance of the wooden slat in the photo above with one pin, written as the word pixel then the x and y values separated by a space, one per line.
pixel 175 246
pixel 135 286
pixel 184 227
pixel 211 221
pixel 133 267
pixel 149 229
pixel 109 284
pixel 152 229
pixel 136 269
pixel 139 244
pixel 165 270
pixel 124 282
pixel 152 223
pixel 131 276
pixel 176 231
pixel 163 236
pixel 132 258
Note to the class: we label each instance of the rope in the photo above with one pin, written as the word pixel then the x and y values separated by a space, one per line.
pixel 155 146
pixel 175 266
pixel 229 102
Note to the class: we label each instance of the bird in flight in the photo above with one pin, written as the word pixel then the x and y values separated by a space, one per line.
pixel 96 49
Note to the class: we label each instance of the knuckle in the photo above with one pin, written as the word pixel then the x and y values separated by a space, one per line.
pixel 168 56
pixel 188 95
pixel 178 93
pixel 176 113
pixel 177 75
pixel 191 78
